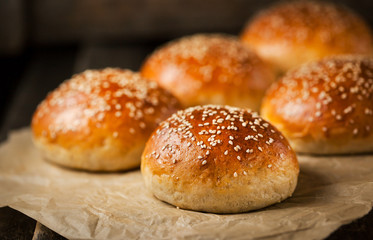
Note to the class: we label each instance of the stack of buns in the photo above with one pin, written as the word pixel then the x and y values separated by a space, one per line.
pixel 213 157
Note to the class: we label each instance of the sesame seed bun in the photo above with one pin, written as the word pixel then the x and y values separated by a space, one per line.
pixel 325 107
pixel 99 120
pixel 209 69
pixel 219 159
pixel 289 34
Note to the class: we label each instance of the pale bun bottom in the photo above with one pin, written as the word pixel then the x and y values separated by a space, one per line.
pixel 331 146
pixel 103 158
pixel 242 194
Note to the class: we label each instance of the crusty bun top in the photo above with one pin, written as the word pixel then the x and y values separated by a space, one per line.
pixel 96 105
pixel 327 99
pixel 209 68
pixel 211 144
pixel 292 33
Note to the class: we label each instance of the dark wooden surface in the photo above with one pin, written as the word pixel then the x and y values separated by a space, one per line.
pixel 29 78
pixel 45 22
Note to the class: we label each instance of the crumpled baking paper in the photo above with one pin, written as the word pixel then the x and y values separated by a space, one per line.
pixel 331 191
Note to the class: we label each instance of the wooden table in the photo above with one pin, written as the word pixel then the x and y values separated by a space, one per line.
pixel 28 79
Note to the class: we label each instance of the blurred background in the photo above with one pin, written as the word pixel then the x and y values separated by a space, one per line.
pixel 43 42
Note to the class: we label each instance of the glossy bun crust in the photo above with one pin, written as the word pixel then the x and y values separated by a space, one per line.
pixel 292 33
pixel 209 69
pixel 99 120
pixel 219 159
pixel 325 107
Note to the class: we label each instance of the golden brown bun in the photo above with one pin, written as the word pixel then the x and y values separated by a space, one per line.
pixel 209 69
pixel 290 34
pixel 99 120
pixel 219 159
pixel 325 107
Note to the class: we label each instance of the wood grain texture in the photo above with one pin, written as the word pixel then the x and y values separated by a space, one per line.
pixel 15 225
pixel 136 20
pixel 146 20
pixel 43 233
pixel 12 26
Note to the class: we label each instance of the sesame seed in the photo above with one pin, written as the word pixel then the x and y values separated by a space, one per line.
pixel 239 158
pixel 118 106
pixel 100 116
pixel 226 152
pixel 204 162
pixel 318 105
pixel 269 165
pixel 230 142
pixel 355 131
pixel 235 174
pixel 260 149
pixel 105 84
pixel 347 110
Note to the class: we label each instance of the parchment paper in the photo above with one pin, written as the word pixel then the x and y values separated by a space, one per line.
pixel 79 205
